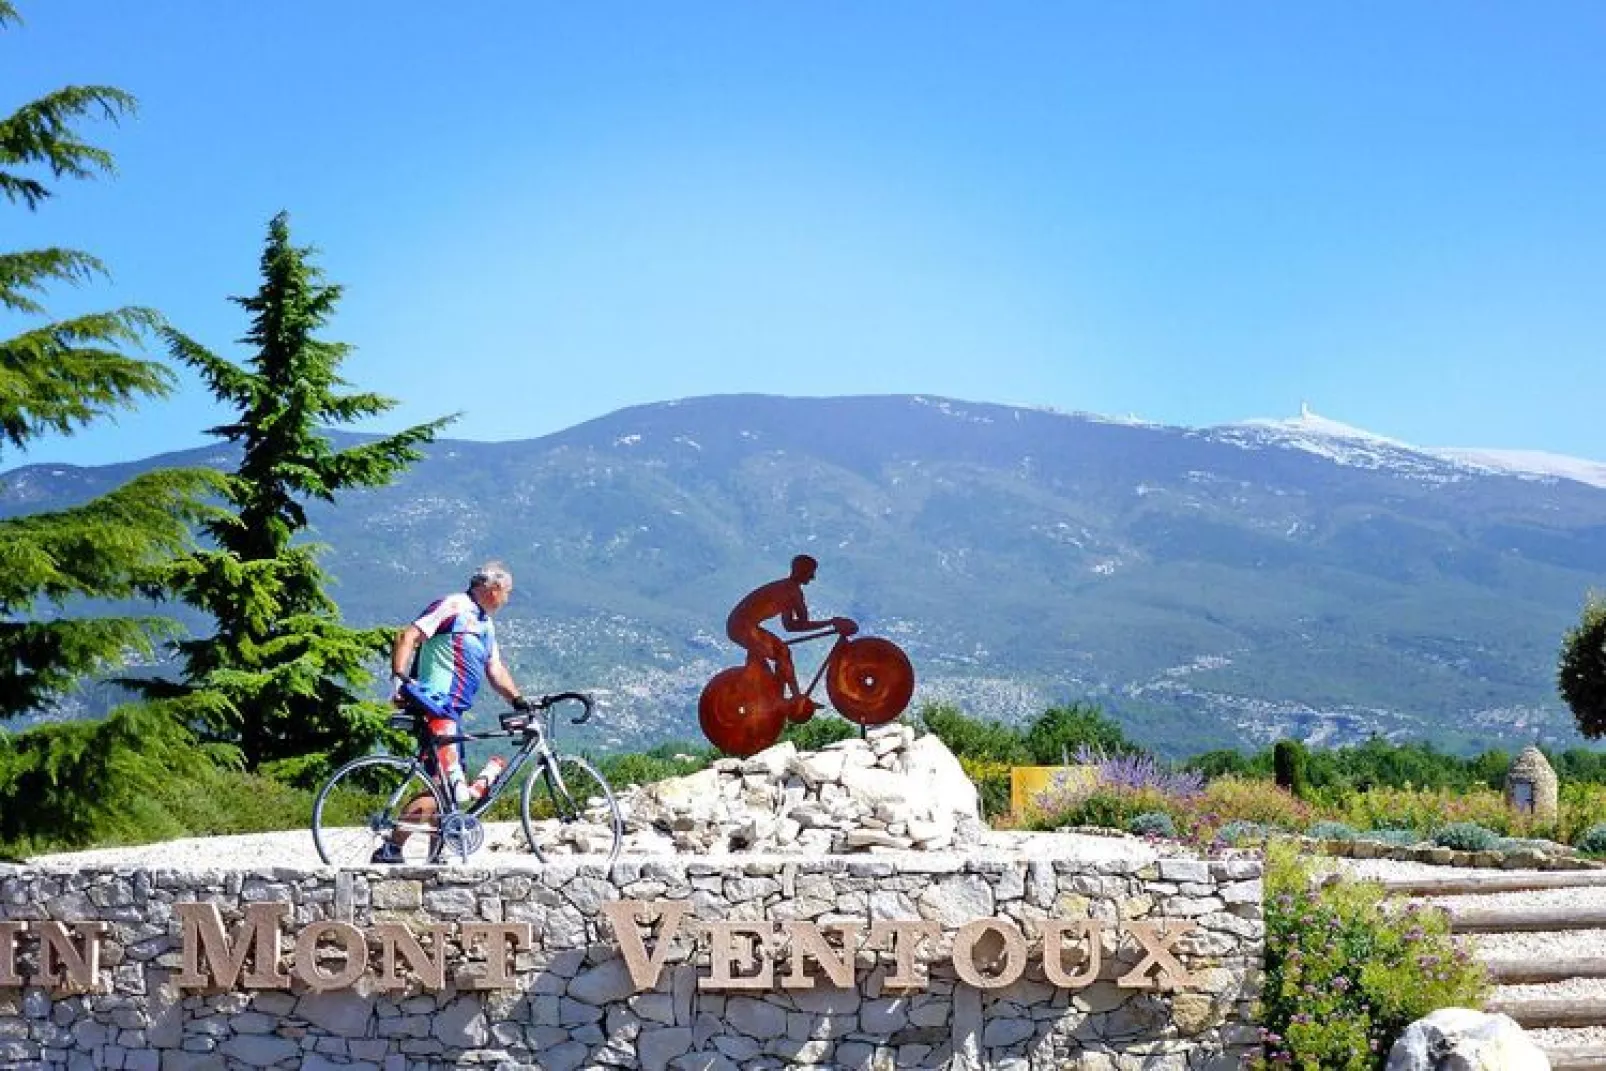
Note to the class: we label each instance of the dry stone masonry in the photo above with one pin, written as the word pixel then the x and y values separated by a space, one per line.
pixel 568 998
pixel 836 909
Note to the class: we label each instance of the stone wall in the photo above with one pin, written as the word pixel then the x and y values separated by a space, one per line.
pixel 573 1002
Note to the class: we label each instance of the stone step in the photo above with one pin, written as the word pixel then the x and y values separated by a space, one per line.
pixel 1576 1057
pixel 1552 969
pixel 1537 1014
pixel 1526 920
pixel 1505 881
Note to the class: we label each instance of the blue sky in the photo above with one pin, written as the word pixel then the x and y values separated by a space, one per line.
pixel 1194 213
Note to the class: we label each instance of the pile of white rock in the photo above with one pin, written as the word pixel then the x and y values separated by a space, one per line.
pixel 889 790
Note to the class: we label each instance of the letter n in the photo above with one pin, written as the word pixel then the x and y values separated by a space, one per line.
pixel 396 937
pixel 257 936
pixel 58 954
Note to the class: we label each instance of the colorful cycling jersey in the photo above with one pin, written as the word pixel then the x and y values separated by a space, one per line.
pixel 459 645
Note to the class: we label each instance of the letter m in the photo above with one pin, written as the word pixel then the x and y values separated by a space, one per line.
pixel 224 954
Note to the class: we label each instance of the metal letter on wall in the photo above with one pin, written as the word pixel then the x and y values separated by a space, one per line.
pixel 395 937
pixel 256 936
pixel 1153 938
pixel 1006 944
pixel 62 965
pixel 622 914
pixel 352 945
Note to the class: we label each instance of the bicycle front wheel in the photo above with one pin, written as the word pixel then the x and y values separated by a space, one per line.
pixel 567 802
pixel 373 802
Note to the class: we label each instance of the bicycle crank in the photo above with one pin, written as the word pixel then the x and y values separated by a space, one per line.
pixel 461 835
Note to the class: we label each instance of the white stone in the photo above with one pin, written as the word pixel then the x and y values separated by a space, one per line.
pixel 1460 1039
pixel 932 767
pixel 817 767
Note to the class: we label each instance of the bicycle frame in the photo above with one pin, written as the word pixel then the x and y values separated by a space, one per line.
pixel 537 745
pixel 825 663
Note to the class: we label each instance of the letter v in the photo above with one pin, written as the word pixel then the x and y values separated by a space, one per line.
pixel 644 969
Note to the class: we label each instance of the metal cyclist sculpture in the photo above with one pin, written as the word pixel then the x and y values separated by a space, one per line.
pixel 743 709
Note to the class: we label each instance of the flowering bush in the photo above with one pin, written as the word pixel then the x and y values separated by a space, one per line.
pixel 992 784
pixel 1107 806
pixel 1141 771
pixel 1406 808
pixel 1344 977
pixel 1238 799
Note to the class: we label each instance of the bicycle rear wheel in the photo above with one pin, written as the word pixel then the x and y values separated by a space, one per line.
pixel 575 797
pixel 373 801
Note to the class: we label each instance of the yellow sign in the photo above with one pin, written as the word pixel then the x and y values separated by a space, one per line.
pixel 1026 783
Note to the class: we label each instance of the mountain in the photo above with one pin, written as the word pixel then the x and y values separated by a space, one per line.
pixel 1210 587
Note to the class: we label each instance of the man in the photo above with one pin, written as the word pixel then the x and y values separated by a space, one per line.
pixel 454 641
pixel 782 598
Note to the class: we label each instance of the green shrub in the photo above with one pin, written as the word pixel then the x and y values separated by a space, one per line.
pixel 1289 760
pixel 1592 840
pixel 1234 798
pixel 1104 807
pixel 817 732
pixel 1465 837
pixel 1055 736
pixel 1399 838
pixel 637 768
pixel 1513 844
pixel 1152 824
pixel 992 785
pixel 1238 833
pixel 1331 831
pixel 972 738
pixel 1343 977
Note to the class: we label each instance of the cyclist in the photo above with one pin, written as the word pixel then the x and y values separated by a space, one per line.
pixel 784 599
pixel 454 641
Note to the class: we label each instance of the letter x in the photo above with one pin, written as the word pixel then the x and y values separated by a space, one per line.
pixel 1154 937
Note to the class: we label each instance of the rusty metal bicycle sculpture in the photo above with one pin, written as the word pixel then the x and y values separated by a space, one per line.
pixel 743 709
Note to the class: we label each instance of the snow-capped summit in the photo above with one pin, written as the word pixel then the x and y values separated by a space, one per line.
pixel 1530 464
pixel 1309 422
pixel 1343 444
pixel 1346 444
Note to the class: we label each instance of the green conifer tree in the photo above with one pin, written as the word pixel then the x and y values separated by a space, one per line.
pixel 1581 668
pixel 59 782
pixel 293 676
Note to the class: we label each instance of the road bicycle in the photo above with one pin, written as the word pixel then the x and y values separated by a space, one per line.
pixel 868 679
pixel 384 799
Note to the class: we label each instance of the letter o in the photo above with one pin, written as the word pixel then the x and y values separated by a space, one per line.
pixel 351 941
pixel 1012 947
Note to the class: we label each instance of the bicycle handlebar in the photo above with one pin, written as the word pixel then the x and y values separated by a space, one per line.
pixel 549 701
pixel 416 718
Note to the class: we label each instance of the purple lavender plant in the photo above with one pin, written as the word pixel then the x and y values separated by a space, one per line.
pixel 1121 771
pixel 1141 771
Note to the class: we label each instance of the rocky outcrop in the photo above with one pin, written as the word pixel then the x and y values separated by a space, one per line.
pixel 890 790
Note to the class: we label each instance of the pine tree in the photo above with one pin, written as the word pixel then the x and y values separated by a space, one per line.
pixel 292 675
pixel 58 376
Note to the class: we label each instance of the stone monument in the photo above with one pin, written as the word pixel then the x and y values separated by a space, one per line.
pixel 1531 785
